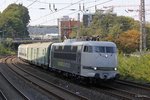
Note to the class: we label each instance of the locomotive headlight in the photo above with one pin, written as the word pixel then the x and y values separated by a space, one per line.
pixel 95 68
pixel 106 56
pixel 115 69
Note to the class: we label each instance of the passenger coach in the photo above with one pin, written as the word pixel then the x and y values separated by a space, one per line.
pixel 35 53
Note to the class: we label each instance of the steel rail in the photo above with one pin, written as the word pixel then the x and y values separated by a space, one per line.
pixel 67 92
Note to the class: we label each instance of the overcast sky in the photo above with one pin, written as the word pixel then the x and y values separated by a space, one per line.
pixel 42 11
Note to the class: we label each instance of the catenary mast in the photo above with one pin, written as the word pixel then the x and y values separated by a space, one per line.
pixel 142 26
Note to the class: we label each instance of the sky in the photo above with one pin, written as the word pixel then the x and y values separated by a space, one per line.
pixel 46 12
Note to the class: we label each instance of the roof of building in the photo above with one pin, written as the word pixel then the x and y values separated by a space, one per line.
pixel 38 30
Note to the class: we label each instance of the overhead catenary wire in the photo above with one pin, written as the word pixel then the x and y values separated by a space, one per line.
pixel 31 3
pixel 78 2
pixel 77 11
pixel 82 9
pixel 58 10
pixel 99 4
pixel 61 3
pixel 57 18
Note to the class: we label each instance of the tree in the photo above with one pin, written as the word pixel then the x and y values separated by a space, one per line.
pixel 128 41
pixel 14 20
pixel 126 23
pixel 122 30
pixel 104 24
pixel 17 11
pixel 148 35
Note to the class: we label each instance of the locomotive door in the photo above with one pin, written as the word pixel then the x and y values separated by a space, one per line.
pixel 79 58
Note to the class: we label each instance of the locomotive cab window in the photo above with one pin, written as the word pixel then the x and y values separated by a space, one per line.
pixel 87 49
pixel 99 49
pixel 110 49
pixel 102 49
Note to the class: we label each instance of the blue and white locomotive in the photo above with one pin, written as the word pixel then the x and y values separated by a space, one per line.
pixel 88 59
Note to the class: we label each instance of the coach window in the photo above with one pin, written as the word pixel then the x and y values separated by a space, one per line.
pixel 37 52
pixel 43 51
pixel 56 47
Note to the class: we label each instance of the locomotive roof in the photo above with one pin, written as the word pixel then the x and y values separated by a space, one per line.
pixel 92 43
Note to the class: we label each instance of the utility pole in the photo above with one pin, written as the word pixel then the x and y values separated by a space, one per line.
pixel 59 29
pixel 142 45
pixel 142 26
pixel 78 26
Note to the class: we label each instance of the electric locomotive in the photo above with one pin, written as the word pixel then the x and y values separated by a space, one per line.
pixel 93 59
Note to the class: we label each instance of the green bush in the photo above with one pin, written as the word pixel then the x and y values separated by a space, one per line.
pixel 5 51
pixel 135 68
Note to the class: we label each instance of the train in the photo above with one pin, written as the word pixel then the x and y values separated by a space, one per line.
pixel 84 59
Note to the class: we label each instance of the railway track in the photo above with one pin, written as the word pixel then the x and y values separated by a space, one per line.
pixel 126 90
pixel 113 93
pixel 2 96
pixel 50 88
pixel 13 88
pixel 142 91
pixel 60 81
pixel 133 84
pixel 120 93
pixel 31 92
pixel 115 89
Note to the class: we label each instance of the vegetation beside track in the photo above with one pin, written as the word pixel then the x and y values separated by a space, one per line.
pixel 5 50
pixel 135 68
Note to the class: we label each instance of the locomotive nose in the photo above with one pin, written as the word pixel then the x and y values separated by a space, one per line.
pixel 97 76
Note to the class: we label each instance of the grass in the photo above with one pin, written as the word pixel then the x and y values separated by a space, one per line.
pixel 135 68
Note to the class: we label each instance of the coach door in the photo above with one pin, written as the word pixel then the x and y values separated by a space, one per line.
pixel 37 56
pixel 49 55
pixel 31 56
pixel 44 53
pixel 27 53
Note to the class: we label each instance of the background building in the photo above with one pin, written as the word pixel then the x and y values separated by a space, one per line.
pixel 67 25
pixel 88 17
pixel 43 32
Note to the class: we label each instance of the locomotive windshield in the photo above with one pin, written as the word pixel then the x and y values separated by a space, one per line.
pixel 104 49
